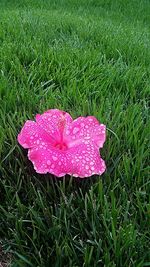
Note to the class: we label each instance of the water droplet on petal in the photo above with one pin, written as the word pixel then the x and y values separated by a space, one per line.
pixel 75 130
pixel 54 158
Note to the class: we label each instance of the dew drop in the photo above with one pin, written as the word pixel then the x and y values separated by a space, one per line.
pixel 54 158
pixel 75 130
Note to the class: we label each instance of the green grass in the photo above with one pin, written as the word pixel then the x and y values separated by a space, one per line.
pixel 85 57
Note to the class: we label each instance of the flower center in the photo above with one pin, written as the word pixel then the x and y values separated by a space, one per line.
pixel 61 146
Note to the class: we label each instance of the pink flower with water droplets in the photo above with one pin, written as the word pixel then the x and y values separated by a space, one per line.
pixel 59 145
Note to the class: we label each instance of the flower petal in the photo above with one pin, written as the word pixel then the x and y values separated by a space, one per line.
pixel 32 135
pixel 85 160
pixel 54 122
pixel 87 129
pixel 79 161
pixel 48 159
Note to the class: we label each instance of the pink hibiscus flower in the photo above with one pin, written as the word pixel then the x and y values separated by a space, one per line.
pixel 59 145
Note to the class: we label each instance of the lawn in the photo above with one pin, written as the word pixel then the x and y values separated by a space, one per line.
pixel 86 57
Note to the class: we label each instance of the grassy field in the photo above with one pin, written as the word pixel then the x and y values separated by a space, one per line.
pixel 86 57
